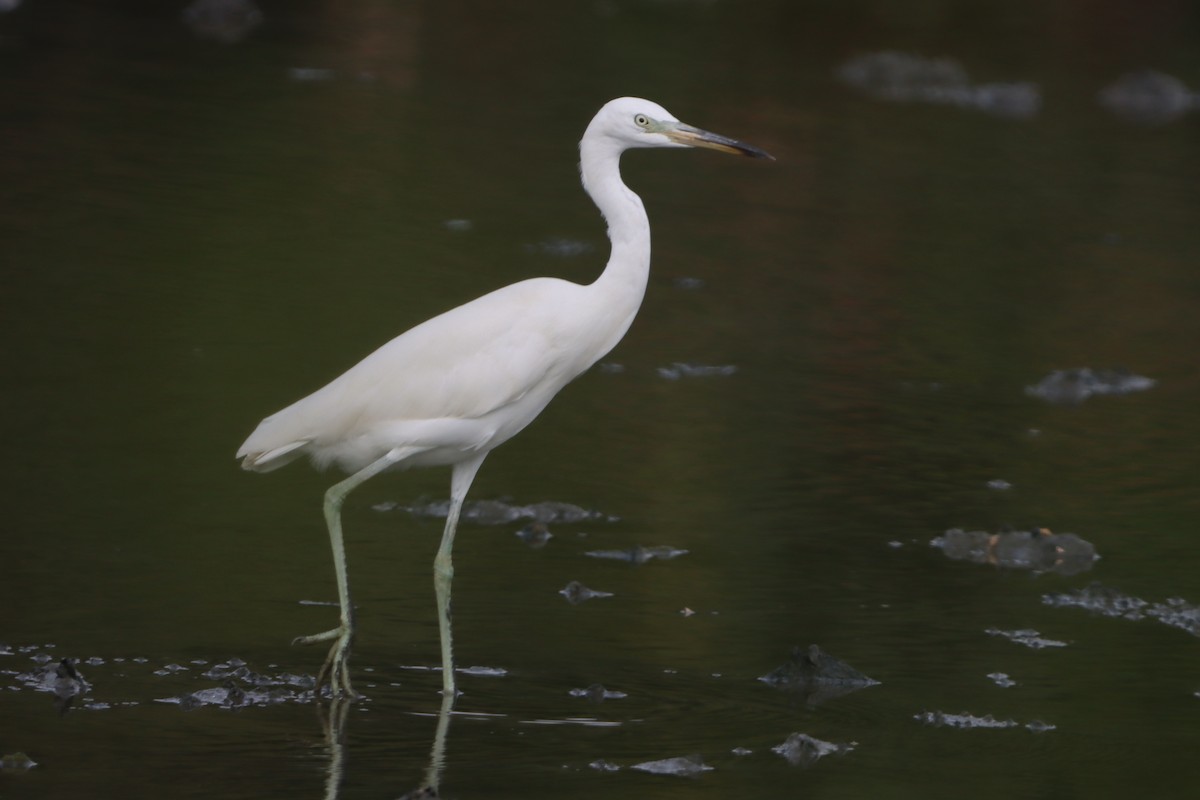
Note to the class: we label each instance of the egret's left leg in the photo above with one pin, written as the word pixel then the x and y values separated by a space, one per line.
pixel 443 566
pixel 336 666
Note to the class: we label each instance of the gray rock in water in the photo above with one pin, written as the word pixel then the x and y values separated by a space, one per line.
pixel 14 762
pixel 902 77
pixel 803 750
pixel 597 693
pixel 941 719
pixel 576 593
pixel 681 370
pixel 59 678
pixel 1002 680
pixel 1073 386
pixel 1148 97
pixel 560 247
pixel 1174 612
pixel 1037 550
pixel 1027 637
pixel 907 78
pixel 817 675
pixel 499 512
pixel 680 765
pixel 535 534
pixel 639 554
pixel 224 21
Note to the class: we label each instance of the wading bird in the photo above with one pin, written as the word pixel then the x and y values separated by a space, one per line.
pixel 451 389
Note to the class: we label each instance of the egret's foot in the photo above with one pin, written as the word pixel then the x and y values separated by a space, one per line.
pixel 336 669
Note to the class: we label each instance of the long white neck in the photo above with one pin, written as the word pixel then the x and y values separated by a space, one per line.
pixel 622 285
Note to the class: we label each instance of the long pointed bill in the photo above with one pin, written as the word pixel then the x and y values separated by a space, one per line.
pixel 684 134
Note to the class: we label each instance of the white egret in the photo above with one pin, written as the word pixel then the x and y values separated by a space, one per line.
pixel 449 390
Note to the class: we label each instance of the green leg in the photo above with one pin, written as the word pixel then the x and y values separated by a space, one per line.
pixel 336 667
pixel 443 566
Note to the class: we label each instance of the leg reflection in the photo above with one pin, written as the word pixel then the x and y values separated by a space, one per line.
pixel 437 755
pixel 334 725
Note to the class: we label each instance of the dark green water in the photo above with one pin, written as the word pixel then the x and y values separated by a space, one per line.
pixel 194 235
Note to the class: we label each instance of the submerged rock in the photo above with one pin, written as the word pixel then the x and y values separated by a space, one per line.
pixel 639 554
pixel 680 765
pixel 535 534
pixel 1175 612
pixel 902 77
pixel 170 669
pixel 1073 386
pixel 311 74
pixel 1178 613
pixel 59 678
pixel 499 512
pixel 224 21
pixel 560 247
pixel 1037 550
pixel 232 668
pixel 65 681
pixel 1002 680
pixel 1100 600
pixel 1027 637
pixel 803 750
pixel 966 721
pixel 681 370
pixel 941 719
pixel 816 674
pixel 576 593
pixel 482 672
pixel 241 686
pixel 906 78
pixel 1148 97
pixel 597 693
pixel 229 696
pixel 16 762
pixel 227 684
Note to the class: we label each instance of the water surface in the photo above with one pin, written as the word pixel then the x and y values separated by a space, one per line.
pixel 196 233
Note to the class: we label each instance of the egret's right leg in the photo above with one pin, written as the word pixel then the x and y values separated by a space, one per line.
pixel 336 667
pixel 443 564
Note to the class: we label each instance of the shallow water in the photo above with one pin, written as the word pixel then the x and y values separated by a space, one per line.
pixel 830 370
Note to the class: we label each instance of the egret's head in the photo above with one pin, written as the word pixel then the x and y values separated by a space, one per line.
pixel 633 122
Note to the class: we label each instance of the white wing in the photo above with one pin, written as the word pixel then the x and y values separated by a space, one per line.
pixel 470 363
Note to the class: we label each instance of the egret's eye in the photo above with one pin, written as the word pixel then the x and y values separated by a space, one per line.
pixel 641 120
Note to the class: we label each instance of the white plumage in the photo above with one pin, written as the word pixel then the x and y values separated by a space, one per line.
pixel 452 388
pixel 462 382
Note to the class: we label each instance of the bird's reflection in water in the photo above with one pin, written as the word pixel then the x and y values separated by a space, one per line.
pixel 437 753
pixel 333 722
